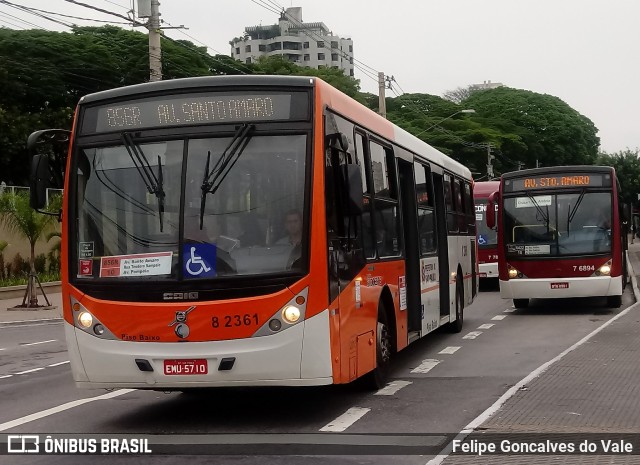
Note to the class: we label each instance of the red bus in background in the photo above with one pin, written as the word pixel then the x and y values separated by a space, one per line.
pixel 487 237
pixel 560 234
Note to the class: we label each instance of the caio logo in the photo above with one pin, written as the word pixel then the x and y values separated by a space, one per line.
pixel 23 444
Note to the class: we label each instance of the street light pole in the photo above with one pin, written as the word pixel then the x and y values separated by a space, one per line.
pixel 444 119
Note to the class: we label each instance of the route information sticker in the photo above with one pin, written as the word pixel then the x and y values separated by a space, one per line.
pixel 144 264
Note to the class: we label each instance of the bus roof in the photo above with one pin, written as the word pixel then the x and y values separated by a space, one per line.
pixel 485 188
pixel 184 84
pixel 571 169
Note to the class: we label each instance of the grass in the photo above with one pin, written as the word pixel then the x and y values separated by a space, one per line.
pixel 21 280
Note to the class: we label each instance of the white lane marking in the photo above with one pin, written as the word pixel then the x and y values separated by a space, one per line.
pixel 486 326
pixel 61 408
pixel 499 317
pixel 345 420
pixel 426 366
pixel 393 387
pixel 472 335
pixel 28 371
pixel 510 310
pixel 484 416
pixel 449 350
pixel 5 376
pixel 36 343
pixel 58 364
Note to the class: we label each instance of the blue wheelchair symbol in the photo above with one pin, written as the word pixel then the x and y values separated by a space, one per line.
pixel 482 240
pixel 199 260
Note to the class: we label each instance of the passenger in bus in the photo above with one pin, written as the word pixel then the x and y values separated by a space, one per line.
pixel 293 226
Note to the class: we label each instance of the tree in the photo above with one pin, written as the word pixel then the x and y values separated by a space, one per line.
pixel 18 217
pixel 627 166
pixel 547 130
pixel 459 94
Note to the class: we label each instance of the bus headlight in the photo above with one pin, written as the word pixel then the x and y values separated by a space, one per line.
pixel 291 314
pixel 85 319
pixel 605 270
pixel 513 273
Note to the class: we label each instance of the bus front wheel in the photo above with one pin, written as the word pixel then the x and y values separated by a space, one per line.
pixel 377 379
pixel 614 301
pixel 520 303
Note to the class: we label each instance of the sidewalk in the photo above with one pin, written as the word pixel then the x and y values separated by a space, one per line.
pixel 9 317
pixel 590 391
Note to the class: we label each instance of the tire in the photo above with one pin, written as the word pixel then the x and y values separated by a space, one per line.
pixel 377 378
pixel 456 326
pixel 614 301
pixel 520 303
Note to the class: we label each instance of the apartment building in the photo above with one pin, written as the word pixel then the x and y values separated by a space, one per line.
pixel 306 44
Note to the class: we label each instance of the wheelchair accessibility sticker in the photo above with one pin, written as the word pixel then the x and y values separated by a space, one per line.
pixel 482 239
pixel 199 260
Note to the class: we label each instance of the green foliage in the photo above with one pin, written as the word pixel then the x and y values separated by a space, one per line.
pixel 43 74
pixel 541 127
pixel 22 280
pixel 627 166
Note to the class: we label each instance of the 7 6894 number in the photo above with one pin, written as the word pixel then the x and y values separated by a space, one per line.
pixel 232 321
pixel 584 268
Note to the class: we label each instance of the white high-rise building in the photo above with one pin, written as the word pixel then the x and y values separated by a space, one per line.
pixel 306 44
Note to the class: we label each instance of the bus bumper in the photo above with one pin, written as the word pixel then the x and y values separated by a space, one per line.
pixel 488 270
pixel 558 288
pixel 298 356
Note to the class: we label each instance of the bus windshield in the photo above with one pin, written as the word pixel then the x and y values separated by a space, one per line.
pixel 487 237
pixel 127 228
pixel 558 224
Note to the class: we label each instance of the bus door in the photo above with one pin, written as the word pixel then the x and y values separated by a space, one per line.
pixel 411 246
pixel 443 245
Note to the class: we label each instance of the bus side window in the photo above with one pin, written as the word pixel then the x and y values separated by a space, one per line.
pixel 469 208
pixel 452 223
pixel 426 218
pixel 367 228
pixel 458 189
pixel 386 221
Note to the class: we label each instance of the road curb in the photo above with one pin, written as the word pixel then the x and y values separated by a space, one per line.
pixel 634 280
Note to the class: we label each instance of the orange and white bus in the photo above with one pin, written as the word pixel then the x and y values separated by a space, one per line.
pixel 251 231
pixel 487 237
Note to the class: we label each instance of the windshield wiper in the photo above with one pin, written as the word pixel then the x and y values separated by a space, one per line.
pixel 153 183
pixel 213 179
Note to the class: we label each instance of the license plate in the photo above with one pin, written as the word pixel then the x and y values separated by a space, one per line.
pixel 559 285
pixel 196 366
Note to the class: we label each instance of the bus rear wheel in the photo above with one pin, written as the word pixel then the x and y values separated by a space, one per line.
pixel 520 303
pixel 377 379
pixel 456 326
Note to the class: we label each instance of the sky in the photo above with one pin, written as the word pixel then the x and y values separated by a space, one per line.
pixel 585 52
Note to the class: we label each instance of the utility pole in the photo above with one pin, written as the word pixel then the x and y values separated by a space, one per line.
pixel 490 157
pixel 155 53
pixel 382 105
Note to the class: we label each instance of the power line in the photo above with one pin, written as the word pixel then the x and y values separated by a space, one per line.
pixel 21 20
pixel 76 17
pixel 130 20
pixel 28 10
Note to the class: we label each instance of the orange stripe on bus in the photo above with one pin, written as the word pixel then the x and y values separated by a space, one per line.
pixel 429 289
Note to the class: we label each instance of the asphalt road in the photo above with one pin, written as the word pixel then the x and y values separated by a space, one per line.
pixel 439 385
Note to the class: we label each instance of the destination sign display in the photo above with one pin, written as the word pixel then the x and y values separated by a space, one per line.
pixel 558 182
pixel 195 109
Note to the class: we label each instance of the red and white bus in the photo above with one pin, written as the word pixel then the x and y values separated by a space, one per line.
pixel 251 231
pixel 487 237
pixel 560 234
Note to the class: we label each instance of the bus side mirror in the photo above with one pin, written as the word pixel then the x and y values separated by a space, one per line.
pixel 48 149
pixel 491 210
